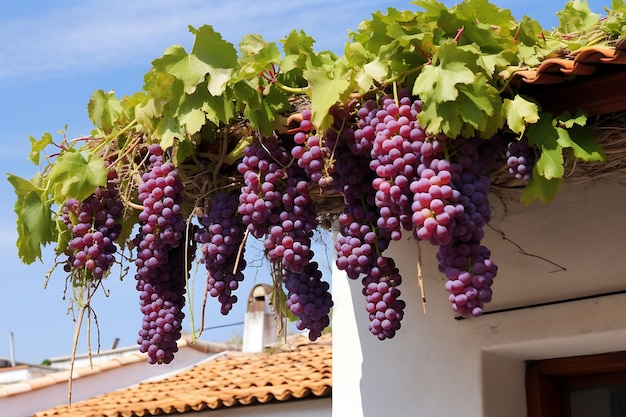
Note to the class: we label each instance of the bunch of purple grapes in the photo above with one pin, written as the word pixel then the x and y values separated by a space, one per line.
pixel 395 154
pixel 520 159
pixel 260 201
pixel 220 239
pixel 381 292
pixel 277 193
pixel 162 252
pixel 289 240
pixel 464 261
pixel 94 226
pixel 361 242
pixel 470 273
pixel 311 152
pixel 308 298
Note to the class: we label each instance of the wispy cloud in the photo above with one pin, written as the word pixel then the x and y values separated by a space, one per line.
pixel 95 35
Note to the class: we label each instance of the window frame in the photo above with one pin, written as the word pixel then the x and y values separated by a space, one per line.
pixel 549 381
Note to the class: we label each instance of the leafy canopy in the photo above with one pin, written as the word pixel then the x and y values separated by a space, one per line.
pixel 458 60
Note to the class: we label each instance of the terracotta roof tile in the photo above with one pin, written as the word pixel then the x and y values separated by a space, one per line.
pixel 61 377
pixel 232 379
pixel 592 79
pixel 585 61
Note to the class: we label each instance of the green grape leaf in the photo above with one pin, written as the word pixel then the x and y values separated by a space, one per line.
pixel 256 55
pixel 550 163
pixel 438 83
pixel 192 120
pixel 74 176
pixel 576 16
pixel 168 130
pixel 566 119
pixel 539 187
pixel 326 89
pixel 104 110
pixel 298 44
pixel 183 151
pixel 34 218
pixel 544 136
pixel 190 112
pixel 187 68
pixel 582 143
pixel 475 110
pixel 219 56
pixel 255 110
pixel 519 112
pixel 219 108
pixel 375 70
pixel 37 146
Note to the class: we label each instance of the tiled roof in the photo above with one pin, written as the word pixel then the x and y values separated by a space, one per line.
pixel 61 377
pixel 235 378
pixel 592 78
pixel 585 61
pixel 7 390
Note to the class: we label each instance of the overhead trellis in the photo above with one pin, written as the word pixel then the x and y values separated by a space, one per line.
pixel 403 133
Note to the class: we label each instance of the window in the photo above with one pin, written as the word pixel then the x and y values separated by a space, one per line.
pixel 580 386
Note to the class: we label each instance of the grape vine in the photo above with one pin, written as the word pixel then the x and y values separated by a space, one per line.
pixel 400 136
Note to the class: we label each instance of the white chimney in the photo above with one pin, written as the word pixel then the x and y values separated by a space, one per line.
pixel 259 328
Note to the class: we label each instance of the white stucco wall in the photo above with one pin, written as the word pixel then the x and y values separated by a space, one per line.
pixel 439 366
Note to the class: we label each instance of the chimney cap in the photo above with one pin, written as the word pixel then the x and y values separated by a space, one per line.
pixel 257 298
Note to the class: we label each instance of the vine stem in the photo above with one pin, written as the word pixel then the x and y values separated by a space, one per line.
pixel 523 252
pixel 293 90
pixel 241 246
pixel 81 315
pixel 404 74
pixel 130 203
pixel 420 278
pixel 114 135
pixel 189 288
pixel 204 300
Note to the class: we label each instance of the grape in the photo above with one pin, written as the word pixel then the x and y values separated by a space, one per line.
pixel 263 169
pixel 309 299
pixel 464 261
pixel 395 156
pixel 162 249
pixel 289 240
pixel 520 159
pixel 94 225
pixel 220 238
pixel 361 241
pixel 470 275
pixel 381 292
pixel 311 152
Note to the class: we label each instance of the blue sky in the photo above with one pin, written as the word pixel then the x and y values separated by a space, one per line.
pixel 55 54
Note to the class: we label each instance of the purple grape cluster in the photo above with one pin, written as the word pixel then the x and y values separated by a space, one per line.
pixel 361 242
pixel 308 298
pixel 263 168
pixel 311 152
pixel 413 183
pixel 94 225
pixel 395 155
pixel 289 240
pixel 220 239
pixel 520 159
pixel 275 205
pixel 466 263
pixel 381 292
pixel 161 254
pixel 470 275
